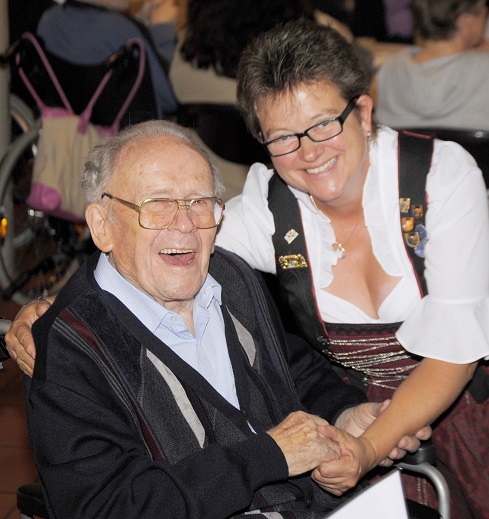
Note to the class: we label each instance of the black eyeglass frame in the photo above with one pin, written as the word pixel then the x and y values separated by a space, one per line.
pixel 188 204
pixel 341 118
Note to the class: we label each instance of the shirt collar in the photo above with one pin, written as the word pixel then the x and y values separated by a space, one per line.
pixel 146 309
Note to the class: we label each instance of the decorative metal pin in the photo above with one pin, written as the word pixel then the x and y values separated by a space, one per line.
pixel 423 235
pixel 412 239
pixel 421 230
pixel 407 223
pixel 417 211
pixel 405 203
pixel 291 236
pixel 292 261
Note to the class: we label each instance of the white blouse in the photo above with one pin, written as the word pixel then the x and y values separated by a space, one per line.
pixel 452 322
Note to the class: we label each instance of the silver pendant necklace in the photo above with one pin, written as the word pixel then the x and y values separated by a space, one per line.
pixel 340 250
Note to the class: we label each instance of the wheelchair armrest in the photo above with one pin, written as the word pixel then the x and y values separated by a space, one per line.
pixel 425 453
pixel 422 462
pixel 30 501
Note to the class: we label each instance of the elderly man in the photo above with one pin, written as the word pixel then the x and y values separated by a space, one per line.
pixel 161 388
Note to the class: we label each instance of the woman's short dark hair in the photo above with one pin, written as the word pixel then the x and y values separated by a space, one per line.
pixel 437 19
pixel 217 31
pixel 295 53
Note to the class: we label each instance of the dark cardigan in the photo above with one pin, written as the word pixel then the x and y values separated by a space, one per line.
pixel 111 439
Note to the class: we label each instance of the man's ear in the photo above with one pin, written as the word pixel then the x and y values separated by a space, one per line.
pixel 100 226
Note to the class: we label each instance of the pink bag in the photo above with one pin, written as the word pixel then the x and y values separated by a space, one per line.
pixel 65 139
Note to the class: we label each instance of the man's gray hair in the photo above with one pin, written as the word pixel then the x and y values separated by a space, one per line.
pixel 102 159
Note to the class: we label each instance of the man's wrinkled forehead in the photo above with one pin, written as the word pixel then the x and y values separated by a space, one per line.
pixel 145 158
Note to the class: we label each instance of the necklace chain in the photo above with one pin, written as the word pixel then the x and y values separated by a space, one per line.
pixel 340 247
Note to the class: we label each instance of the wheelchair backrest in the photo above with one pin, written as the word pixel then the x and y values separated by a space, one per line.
pixel 79 82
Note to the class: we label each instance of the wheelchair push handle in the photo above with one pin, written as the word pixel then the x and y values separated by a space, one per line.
pixel 7 57
pixel 126 51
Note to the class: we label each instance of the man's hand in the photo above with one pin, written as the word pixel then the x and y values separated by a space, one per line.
pixel 357 419
pixel 19 340
pixel 338 476
pixel 301 439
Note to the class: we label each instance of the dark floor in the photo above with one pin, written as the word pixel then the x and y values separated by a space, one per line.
pixel 16 463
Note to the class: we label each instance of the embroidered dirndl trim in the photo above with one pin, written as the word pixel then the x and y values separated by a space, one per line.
pixel 372 350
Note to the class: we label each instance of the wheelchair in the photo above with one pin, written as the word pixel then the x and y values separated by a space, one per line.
pixel 22 117
pixel 39 251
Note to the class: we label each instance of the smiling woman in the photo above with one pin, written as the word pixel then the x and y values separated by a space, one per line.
pixel 326 221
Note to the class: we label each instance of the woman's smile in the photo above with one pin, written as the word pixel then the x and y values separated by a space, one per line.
pixel 321 169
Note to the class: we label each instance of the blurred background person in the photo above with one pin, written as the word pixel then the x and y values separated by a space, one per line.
pixel 442 82
pixel 216 32
pixel 87 32
pixel 203 69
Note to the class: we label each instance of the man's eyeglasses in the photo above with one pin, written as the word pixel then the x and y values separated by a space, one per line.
pixel 160 213
pixel 322 131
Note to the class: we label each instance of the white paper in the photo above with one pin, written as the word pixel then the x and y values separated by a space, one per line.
pixel 381 500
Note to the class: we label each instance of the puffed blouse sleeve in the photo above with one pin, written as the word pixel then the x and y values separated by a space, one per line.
pixel 248 224
pixel 451 323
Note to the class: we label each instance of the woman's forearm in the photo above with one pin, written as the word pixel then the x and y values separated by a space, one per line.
pixel 429 390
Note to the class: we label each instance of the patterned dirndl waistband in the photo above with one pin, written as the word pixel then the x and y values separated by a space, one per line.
pixel 371 350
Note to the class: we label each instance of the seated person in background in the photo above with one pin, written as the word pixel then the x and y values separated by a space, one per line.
pixel 326 220
pixel 160 387
pixel 217 31
pixel 88 31
pixel 203 69
pixel 443 82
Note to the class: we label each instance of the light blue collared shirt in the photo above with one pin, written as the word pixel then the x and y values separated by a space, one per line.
pixel 207 352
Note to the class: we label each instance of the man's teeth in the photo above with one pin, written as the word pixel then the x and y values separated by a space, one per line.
pixel 175 251
pixel 322 168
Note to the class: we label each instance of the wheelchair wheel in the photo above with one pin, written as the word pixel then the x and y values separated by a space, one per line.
pixel 38 252
pixel 21 115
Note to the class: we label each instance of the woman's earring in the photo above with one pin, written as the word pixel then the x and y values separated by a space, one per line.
pixel 369 136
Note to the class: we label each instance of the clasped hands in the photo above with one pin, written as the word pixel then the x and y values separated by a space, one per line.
pixel 337 456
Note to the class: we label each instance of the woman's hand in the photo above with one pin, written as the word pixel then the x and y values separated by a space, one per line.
pixel 19 340
pixel 357 419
